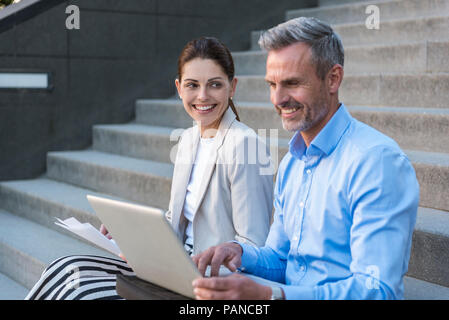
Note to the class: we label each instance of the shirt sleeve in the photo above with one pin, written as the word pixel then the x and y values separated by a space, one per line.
pixel 383 199
pixel 270 261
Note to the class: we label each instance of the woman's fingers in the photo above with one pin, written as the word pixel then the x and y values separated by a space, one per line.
pixel 105 232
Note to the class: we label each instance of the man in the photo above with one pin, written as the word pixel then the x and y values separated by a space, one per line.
pixel 346 196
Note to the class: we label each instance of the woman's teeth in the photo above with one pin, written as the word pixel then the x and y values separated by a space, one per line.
pixel 204 108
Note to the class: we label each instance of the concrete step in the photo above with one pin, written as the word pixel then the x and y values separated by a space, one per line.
pixel 432 168
pixel 430 240
pixel 335 2
pixel 415 289
pixel 136 141
pixel 355 12
pixel 400 31
pixel 27 248
pixel 413 128
pixel 396 31
pixel 393 89
pixel 143 181
pixel 430 247
pixel 10 289
pixel 42 200
pixel 420 57
pixel 432 171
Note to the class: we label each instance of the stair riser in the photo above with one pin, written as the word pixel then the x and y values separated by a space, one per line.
pixel 426 132
pixel 415 131
pixel 151 147
pixel 425 91
pixel 434 185
pixel 43 211
pixel 146 189
pixel 429 258
pixel 404 58
pixel 20 267
pixel 162 115
pixel 391 32
pixel 356 13
pixel 155 191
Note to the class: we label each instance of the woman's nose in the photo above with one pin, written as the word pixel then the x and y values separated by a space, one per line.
pixel 202 94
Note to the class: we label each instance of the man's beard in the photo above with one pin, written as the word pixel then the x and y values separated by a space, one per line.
pixel 308 119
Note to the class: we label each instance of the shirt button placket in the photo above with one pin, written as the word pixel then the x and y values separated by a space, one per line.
pixel 307 180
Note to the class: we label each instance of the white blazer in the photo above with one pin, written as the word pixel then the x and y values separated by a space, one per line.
pixel 236 191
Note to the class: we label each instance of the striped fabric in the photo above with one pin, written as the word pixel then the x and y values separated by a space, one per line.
pixel 82 277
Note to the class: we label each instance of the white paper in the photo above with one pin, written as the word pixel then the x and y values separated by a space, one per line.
pixel 90 233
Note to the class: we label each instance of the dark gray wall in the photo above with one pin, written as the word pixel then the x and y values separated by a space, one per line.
pixel 125 50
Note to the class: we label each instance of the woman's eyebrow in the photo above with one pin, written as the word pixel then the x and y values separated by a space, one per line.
pixel 190 80
pixel 216 78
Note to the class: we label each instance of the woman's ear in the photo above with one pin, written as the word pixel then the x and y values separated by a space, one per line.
pixel 233 87
pixel 178 86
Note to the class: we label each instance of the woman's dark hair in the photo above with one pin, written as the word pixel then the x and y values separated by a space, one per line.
pixel 209 48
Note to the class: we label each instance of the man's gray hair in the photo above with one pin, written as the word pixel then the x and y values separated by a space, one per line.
pixel 326 45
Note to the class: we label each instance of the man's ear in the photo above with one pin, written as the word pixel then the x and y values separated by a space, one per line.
pixel 334 78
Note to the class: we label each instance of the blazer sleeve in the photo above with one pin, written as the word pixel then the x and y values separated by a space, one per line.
pixel 251 187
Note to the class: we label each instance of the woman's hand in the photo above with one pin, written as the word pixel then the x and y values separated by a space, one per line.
pixel 105 232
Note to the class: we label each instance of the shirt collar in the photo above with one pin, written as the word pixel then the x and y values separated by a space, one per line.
pixel 326 140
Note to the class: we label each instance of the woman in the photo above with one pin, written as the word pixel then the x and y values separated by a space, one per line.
pixel 219 193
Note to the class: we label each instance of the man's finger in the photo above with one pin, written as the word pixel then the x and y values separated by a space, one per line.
pixel 207 294
pixel 204 261
pixel 214 283
pixel 217 261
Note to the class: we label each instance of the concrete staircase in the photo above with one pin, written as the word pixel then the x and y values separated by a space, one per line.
pixel 396 80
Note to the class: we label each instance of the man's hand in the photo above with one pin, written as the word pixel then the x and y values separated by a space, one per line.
pixel 228 254
pixel 233 287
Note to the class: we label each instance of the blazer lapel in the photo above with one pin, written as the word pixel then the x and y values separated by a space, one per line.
pixel 181 176
pixel 226 121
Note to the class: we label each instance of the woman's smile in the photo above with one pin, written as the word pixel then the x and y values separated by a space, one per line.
pixel 204 108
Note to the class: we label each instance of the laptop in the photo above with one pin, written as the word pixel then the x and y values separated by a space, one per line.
pixel 150 245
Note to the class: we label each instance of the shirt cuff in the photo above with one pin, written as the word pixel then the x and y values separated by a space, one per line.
pixel 249 257
pixel 298 292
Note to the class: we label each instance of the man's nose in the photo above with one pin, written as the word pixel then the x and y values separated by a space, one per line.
pixel 278 96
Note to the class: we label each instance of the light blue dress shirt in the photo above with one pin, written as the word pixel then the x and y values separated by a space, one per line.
pixel 345 210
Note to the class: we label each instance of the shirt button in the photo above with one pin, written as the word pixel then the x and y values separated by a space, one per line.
pixel 295 238
pixel 302 268
pixel 301 204
pixel 309 171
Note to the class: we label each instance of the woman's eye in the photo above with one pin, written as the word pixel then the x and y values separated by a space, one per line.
pixel 216 85
pixel 190 85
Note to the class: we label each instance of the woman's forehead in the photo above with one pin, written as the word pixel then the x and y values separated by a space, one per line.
pixel 199 69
